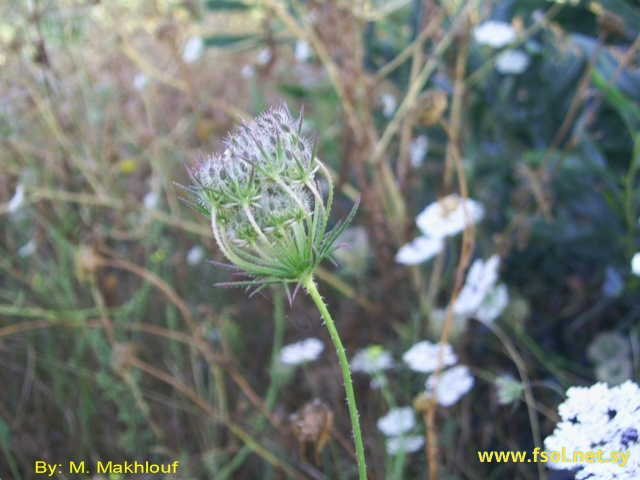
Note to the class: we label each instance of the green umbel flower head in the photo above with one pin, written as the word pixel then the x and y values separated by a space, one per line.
pixel 266 208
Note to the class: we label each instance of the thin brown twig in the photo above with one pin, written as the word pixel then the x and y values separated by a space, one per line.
pixel 160 76
pixel 520 217
pixel 410 50
pixel 627 57
pixel 417 60
pixel 456 109
pixel 94 323
pixel 452 129
pixel 308 34
pixel 195 330
pixel 225 420
pixel 577 100
pixel 124 372
pixel 414 90
pixel 468 243
pixel 526 385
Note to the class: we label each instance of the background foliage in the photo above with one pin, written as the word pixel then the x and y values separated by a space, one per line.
pixel 115 346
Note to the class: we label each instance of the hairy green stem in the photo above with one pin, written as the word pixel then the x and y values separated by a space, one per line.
pixel 309 284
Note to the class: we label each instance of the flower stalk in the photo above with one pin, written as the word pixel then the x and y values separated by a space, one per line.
pixel 312 290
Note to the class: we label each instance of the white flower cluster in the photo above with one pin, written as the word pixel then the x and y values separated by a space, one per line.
pixel 302 51
pixel 195 255
pixel 497 35
pixel 494 33
pixel 397 422
pixel 371 360
pixel 453 383
pixel 611 354
pixel 423 356
pixel 140 80
pixel 512 62
pixel 389 104
pixel 396 425
pixel 635 264
pixel 404 443
pixel 480 297
pixel 193 49
pixel 508 389
pixel 444 218
pixel 418 149
pixel 301 352
pixel 600 418
pixel 17 201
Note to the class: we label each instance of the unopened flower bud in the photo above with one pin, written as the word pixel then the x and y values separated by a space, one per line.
pixel 268 217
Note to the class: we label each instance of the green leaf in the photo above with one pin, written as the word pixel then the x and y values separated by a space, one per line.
pixel 5 432
pixel 226 5
pixel 626 108
pixel 228 40
pixel 295 91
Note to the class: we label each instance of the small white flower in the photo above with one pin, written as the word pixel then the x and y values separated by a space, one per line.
pixel 607 346
pixel 248 71
pixel 302 51
pixel 493 304
pixel 372 359
pixel 512 62
pixel 301 352
pixel 140 81
pixel 389 104
pixel 195 255
pixel 397 422
pixel 494 33
pixel 480 281
pixel 408 444
pixel 418 149
pixel 377 383
pixel 449 216
pixel 28 248
pixel 193 49
pixel 423 356
pixel 419 250
pixel 453 384
pixel 264 56
pixel 17 200
pixel 509 389
pixel 635 264
pixel 150 200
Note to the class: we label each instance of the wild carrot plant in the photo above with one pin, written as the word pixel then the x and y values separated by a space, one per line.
pixel 270 219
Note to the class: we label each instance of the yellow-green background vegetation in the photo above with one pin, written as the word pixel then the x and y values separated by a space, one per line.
pixel 114 347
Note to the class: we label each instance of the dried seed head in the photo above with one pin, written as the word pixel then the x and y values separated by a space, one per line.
pixel 87 262
pixel 121 356
pixel 610 23
pixel 430 106
pixel 312 424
